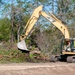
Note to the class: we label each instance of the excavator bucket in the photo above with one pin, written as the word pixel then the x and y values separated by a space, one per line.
pixel 22 45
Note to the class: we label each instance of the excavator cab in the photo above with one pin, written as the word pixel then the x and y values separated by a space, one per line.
pixel 68 46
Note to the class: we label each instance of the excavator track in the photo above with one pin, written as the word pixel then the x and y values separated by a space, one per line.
pixel 54 58
pixel 71 59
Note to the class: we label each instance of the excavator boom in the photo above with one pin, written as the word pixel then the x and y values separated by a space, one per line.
pixel 57 23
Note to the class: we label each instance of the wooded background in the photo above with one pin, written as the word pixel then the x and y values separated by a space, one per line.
pixel 14 15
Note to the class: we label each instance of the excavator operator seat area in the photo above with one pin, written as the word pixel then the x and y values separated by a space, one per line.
pixel 68 45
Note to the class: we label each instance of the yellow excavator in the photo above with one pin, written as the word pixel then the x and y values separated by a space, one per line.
pixel 67 44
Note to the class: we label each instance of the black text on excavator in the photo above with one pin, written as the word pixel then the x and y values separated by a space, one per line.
pixel 67 44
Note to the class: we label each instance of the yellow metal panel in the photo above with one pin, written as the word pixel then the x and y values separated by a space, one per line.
pixel 71 53
pixel 74 43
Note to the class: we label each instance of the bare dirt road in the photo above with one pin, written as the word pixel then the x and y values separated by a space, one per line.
pixel 58 68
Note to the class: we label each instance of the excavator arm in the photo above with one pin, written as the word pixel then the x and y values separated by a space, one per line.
pixel 33 19
pixel 28 27
pixel 57 23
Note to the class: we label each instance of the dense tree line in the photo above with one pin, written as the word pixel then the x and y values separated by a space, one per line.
pixel 15 14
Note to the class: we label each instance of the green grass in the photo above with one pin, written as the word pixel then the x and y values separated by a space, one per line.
pixel 12 56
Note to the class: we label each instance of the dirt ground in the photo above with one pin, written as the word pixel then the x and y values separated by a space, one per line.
pixel 59 68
